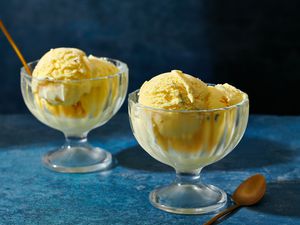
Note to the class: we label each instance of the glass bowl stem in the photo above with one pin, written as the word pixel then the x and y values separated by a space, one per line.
pixel 77 156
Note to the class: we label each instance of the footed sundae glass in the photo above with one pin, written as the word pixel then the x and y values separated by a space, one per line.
pixel 88 104
pixel 188 140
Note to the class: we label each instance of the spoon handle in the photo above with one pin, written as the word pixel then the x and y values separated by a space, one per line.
pixel 221 214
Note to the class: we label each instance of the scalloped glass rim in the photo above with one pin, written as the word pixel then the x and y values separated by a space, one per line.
pixel 243 102
pixel 120 65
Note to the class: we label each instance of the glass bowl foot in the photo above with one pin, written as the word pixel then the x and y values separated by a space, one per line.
pixel 78 160
pixel 188 198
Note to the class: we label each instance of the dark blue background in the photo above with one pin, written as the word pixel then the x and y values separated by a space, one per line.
pixel 251 44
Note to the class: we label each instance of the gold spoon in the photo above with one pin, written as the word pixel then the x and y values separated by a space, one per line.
pixel 248 193
pixel 15 47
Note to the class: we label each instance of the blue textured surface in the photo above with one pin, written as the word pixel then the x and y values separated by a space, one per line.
pixel 31 194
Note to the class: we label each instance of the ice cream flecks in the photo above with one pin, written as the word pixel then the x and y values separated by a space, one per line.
pixel 173 90
pixel 63 64
pixel 176 90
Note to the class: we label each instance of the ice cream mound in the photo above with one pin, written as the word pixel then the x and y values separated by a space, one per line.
pixel 176 90
pixel 71 64
pixel 65 82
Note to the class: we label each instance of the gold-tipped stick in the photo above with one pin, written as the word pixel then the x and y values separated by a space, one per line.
pixel 14 46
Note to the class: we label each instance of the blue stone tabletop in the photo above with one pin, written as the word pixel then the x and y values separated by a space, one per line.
pixel 31 194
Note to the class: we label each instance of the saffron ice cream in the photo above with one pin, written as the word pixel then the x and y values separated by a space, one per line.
pixel 65 89
pixel 180 91
pixel 174 90
pixel 183 122
pixel 73 92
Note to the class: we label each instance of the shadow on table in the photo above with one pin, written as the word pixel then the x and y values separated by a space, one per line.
pixel 137 158
pixel 282 198
pixel 254 153
pixel 26 130
pixel 250 153
pixel 31 135
pixel 226 217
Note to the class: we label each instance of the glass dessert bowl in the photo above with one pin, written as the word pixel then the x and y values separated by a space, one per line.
pixel 188 140
pixel 87 104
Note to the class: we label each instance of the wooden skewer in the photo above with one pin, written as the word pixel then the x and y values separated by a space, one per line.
pixel 14 46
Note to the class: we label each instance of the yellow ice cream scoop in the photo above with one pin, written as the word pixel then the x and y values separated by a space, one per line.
pixel 63 64
pixel 217 98
pixel 234 95
pixel 55 69
pixel 174 90
pixel 101 67
pixel 223 95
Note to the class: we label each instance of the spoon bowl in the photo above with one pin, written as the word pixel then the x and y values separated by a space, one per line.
pixel 248 193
